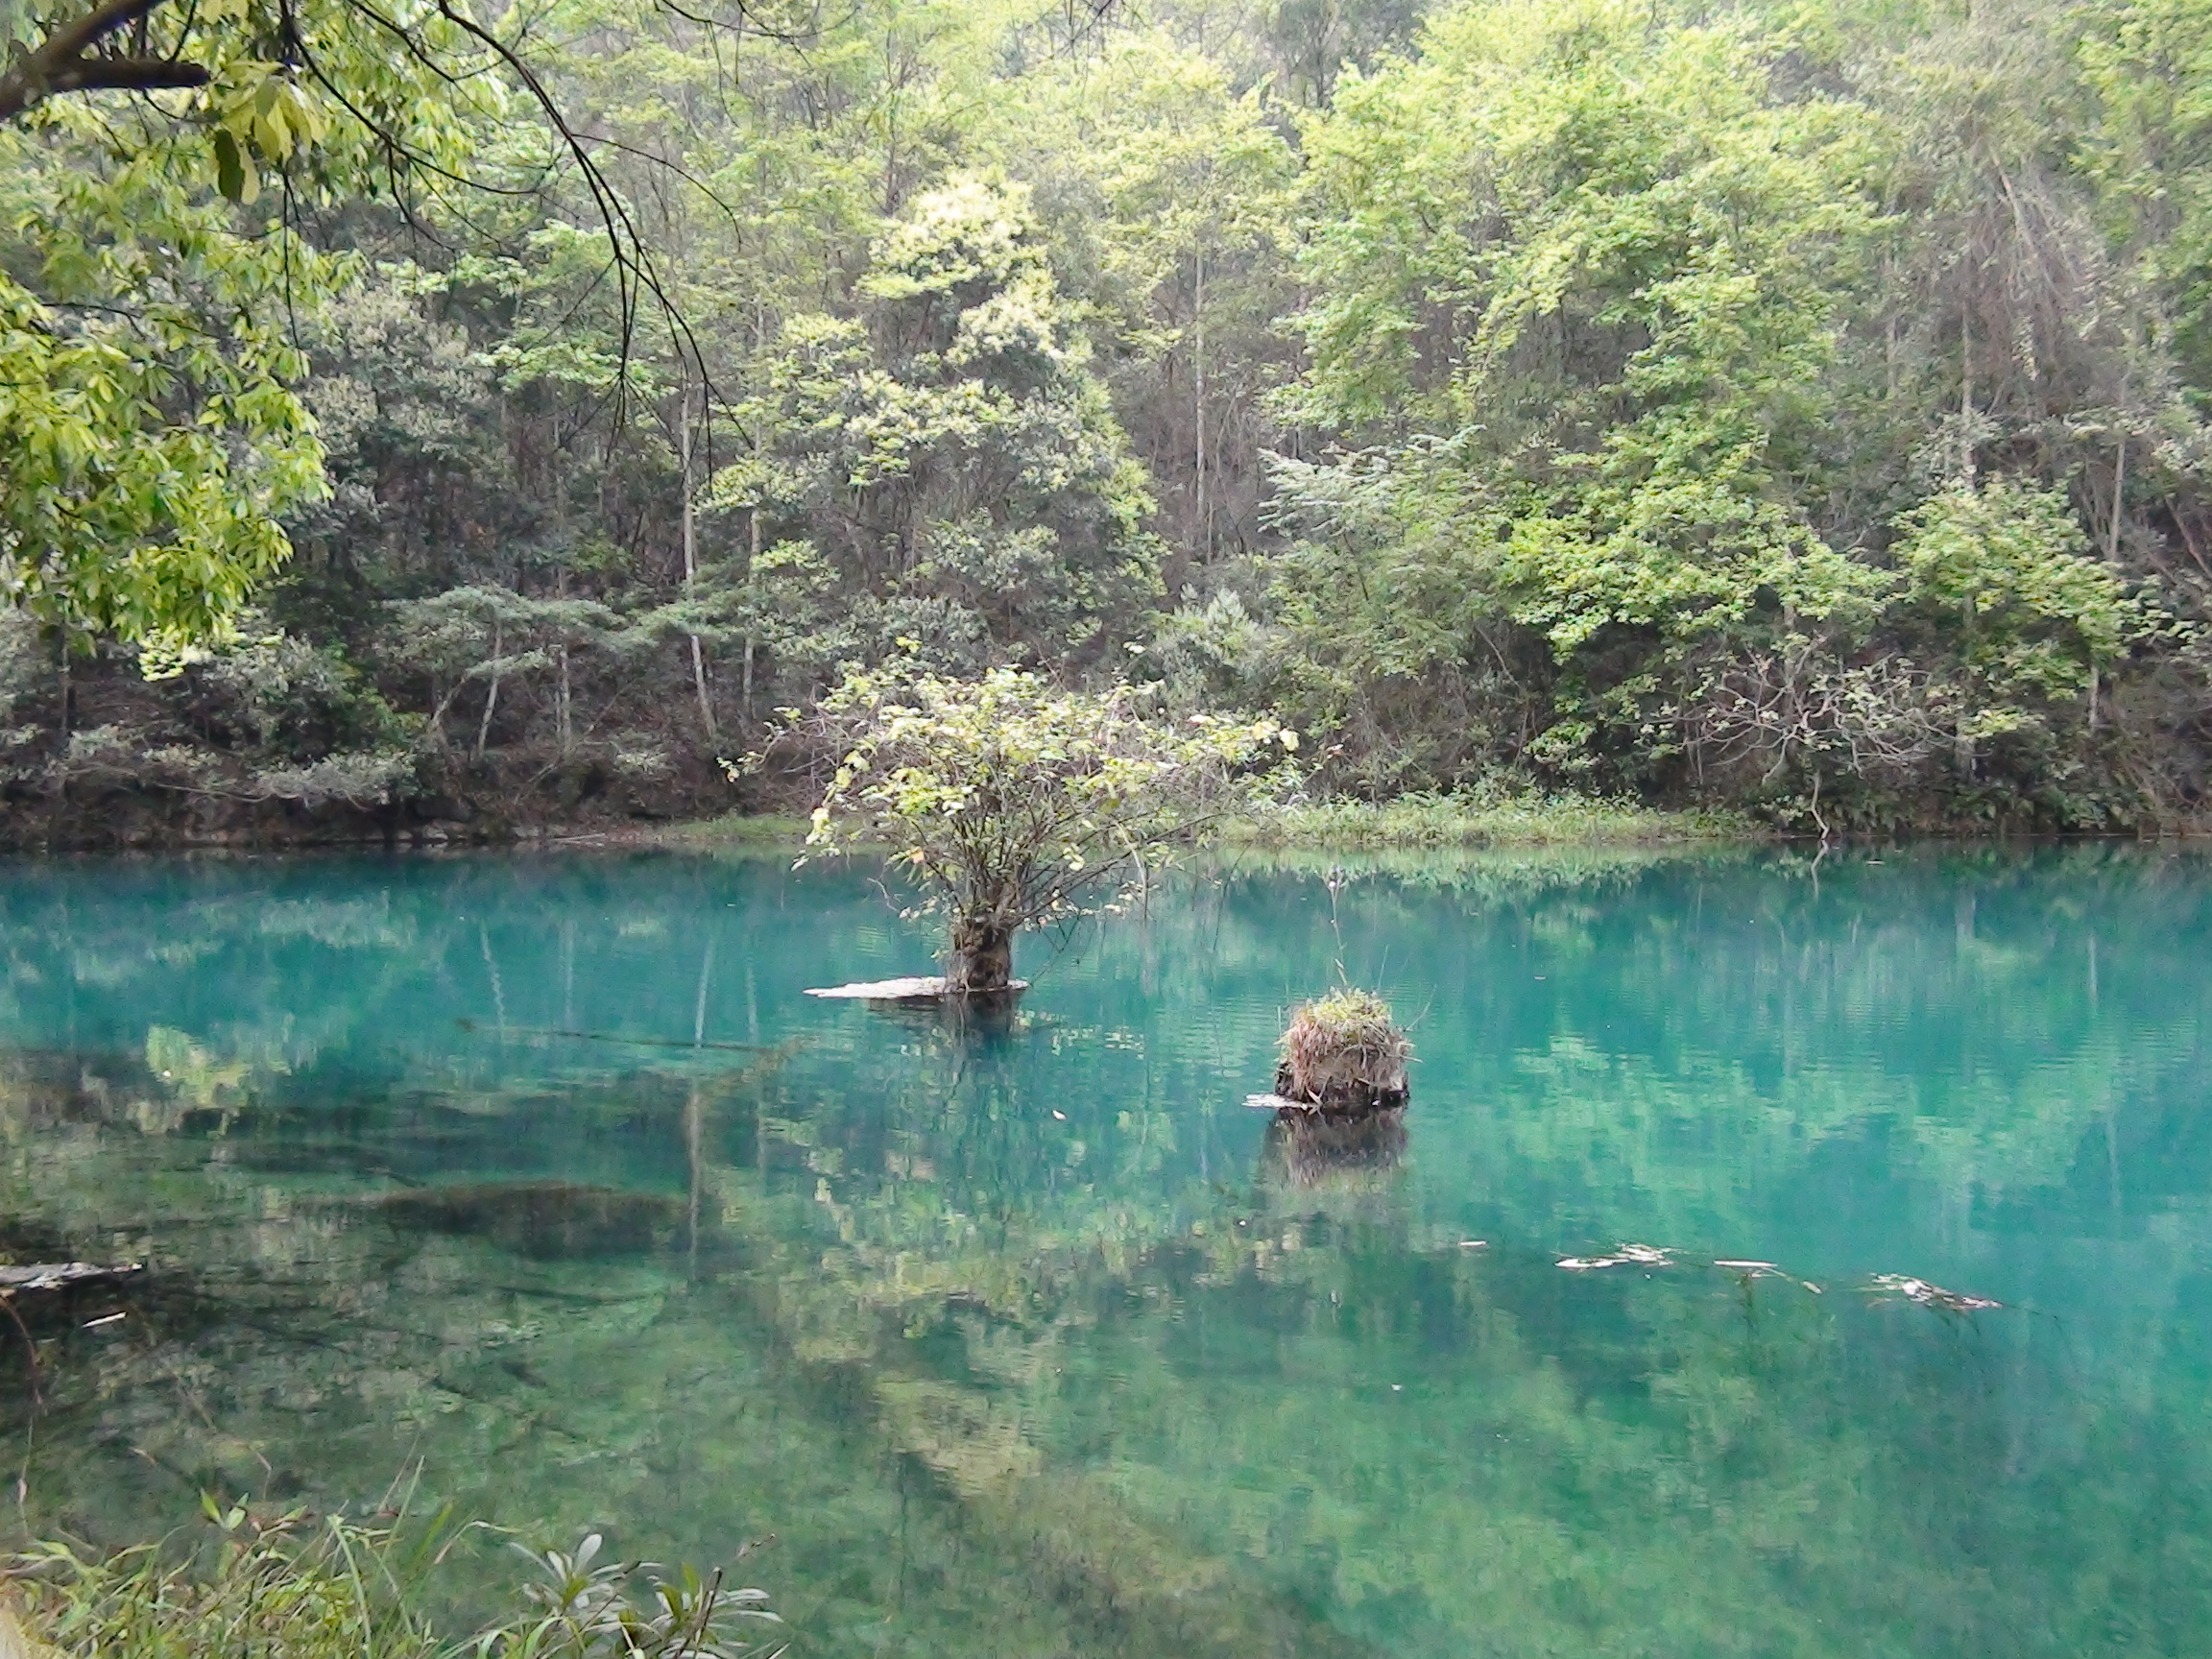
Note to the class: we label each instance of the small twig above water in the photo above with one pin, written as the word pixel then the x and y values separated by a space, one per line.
pixel 30 1356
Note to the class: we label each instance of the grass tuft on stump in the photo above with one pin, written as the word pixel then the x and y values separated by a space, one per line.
pixel 1343 1053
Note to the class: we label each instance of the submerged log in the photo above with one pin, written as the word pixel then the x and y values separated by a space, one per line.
pixel 46 1276
pixel 544 1220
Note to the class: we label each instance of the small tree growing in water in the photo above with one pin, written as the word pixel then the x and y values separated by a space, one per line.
pixel 1010 803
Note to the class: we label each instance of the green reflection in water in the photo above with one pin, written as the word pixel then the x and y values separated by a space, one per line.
pixel 539 1173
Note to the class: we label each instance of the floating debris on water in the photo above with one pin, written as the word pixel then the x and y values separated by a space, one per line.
pixel 1929 1295
pixel 1623 1256
pixel 1651 1256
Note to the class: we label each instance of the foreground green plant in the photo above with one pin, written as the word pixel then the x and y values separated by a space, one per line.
pixel 581 1610
pixel 298 1586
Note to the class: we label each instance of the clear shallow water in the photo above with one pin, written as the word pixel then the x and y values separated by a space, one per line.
pixel 1037 1342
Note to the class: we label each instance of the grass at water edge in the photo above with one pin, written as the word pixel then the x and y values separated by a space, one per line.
pixel 1411 820
pixel 1435 820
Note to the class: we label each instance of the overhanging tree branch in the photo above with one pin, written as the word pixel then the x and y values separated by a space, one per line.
pixel 65 62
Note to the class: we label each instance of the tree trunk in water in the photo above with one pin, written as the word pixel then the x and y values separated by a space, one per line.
pixel 982 957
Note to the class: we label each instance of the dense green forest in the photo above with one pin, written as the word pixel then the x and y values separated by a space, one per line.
pixel 422 414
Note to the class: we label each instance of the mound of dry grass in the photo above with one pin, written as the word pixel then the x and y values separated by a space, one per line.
pixel 1343 1053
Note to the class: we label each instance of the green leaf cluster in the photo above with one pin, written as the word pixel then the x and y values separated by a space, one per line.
pixel 1007 799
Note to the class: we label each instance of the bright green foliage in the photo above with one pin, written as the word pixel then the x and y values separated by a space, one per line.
pixel 960 468
pixel 1645 343
pixel 1167 191
pixel 1570 396
pixel 152 301
pixel 1007 801
pixel 2151 64
pixel 151 437
pixel 2006 569
pixel 1610 270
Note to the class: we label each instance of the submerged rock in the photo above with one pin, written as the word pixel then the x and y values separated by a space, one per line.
pixel 545 1221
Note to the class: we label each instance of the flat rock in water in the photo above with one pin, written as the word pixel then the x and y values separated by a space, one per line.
pixel 60 1275
pixel 916 988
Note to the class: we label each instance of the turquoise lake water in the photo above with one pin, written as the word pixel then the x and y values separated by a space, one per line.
pixel 539 1178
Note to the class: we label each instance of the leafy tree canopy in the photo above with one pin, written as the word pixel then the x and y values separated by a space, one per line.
pixel 1008 800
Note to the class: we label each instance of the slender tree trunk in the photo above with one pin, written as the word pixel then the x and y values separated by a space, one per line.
pixel 1965 396
pixel 560 699
pixel 561 591
pixel 691 574
pixel 490 694
pixel 699 685
pixel 752 565
pixel 1962 739
pixel 1198 401
pixel 2119 485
